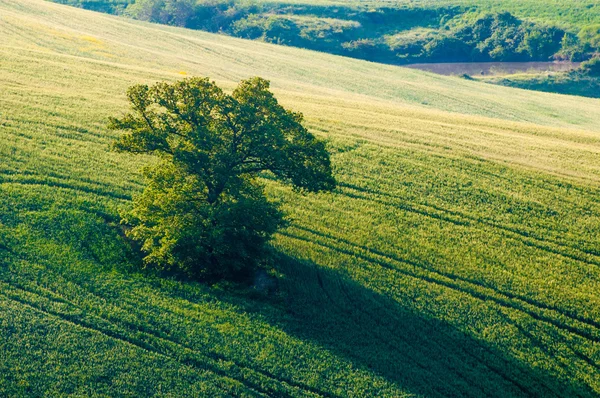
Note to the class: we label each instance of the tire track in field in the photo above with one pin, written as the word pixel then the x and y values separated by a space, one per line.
pixel 392 333
pixel 570 314
pixel 41 128
pixel 455 348
pixel 184 358
pixel 392 184
pixel 536 342
pixel 206 375
pixel 595 325
pixel 111 335
pixel 58 184
pixel 470 163
pixel 579 355
pixel 412 358
pixel 135 328
pixel 451 283
pixel 210 355
pixel 219 357
pixel 162 337
pixel 86 182
pixel 525 238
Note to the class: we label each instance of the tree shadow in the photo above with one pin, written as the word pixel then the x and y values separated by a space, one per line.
pixel 420 354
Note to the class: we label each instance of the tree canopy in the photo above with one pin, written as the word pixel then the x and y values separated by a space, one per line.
pixel 592 67
pixel 204 211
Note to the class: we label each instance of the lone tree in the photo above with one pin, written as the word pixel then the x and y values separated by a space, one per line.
pixel 203 211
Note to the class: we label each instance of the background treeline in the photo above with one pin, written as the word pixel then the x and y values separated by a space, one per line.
pixel 402 34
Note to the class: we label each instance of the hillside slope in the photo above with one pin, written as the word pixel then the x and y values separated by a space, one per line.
pixel 392 32
pixel 459 256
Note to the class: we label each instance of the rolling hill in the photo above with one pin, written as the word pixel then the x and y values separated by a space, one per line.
pixel 460 255
pixel 396 32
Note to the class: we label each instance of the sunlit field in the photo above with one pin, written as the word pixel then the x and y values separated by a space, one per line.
pixel 459 256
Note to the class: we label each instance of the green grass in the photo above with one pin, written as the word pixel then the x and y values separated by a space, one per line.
pixel 459 256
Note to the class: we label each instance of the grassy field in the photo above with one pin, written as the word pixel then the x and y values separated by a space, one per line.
pixel 458 257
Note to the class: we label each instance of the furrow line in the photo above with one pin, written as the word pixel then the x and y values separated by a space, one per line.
pixel 412 358
pixel 523 237
pixel 485 363
pixel 451 283
pixel 112 335
pixel 431 268
pixel 184 357
pixel 136 328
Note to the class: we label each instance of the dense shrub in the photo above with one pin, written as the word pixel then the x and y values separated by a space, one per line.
pixel 592 67
pixel 274 29
pixel 572 49
pixel 497 37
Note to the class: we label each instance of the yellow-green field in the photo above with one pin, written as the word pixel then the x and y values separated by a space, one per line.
pixel 460 255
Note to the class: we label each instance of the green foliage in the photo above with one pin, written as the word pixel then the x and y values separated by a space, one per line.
pixel 348 30
pixel 448 49
pixel 300 31
pixel 573 49
pixel 183 233
pixel 591 36
pixel 591 67
pixel 271 28
pixel 172 12
pixel 203 211
pixel 495 37
pixel 207 15
pixel 108 6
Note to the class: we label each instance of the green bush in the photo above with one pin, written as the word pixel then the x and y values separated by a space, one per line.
pixel 592 67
